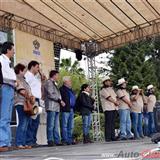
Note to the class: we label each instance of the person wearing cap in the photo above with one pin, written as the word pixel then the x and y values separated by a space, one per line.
pixel 109 106
pixel 86 105
pixel 124 110
pixel 138 100
pixel 69 98
pixel 151 101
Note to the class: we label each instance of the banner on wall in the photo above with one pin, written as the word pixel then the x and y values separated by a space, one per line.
pixel 36 50
pixel 30 47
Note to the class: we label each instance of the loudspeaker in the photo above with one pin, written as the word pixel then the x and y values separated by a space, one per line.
pixel 157 117
pixel 78 53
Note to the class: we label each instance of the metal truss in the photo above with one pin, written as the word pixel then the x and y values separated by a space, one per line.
pixel 9 21
pixel 136 33
pixel 91 50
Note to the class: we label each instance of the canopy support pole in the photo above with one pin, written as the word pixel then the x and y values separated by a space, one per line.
pixel 91 49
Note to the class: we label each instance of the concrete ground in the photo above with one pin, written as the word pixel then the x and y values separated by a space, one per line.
pixel 96 151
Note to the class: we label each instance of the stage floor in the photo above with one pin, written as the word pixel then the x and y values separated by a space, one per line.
pixel 95 151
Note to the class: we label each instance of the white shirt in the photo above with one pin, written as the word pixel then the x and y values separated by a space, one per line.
pixel 8 73
pixel 34 83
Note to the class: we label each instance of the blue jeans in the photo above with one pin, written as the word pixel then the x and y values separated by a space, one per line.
pixel 67 126
pixel 86 120
pixel 125 123
pixel 53 133
pixel 21 133
pixel 137 124
pixel 32 129
pixel 151 123
pixel 6 106
pixel 145 123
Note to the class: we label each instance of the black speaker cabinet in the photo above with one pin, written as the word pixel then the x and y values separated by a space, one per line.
pixel 157 116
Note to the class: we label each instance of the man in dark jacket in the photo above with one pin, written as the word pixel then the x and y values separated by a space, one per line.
pixel 86 103
pixel 69 99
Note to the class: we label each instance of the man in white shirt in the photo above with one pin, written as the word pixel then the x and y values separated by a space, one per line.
pixel 34 82
pixel 7 95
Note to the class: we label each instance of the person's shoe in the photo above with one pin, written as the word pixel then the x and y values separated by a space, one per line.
pixel 108 140
pixel 122 138
pixel 59 144
pixel 51 144
pixel 130 138
pixel 89 139
pixel 28 147
pixel 73 143
pixel 35 145
pixel 85 139
pixel 4 149
pixel 136 138
pixel 142 136
pixel 21 147
pixel 114 139
pixel 64 143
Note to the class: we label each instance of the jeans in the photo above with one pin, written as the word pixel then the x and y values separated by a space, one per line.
pixel 151 123
pixel 110 125
pixel 21 133
pixel 53 133
pixel 137 124
pixel 67 126
pixel 86 120
pixel 145 123
pixel 33 129
pixel 6 106
pixel 125 123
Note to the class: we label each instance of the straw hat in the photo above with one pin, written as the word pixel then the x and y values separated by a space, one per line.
pixel 121 81
pixel 106 78
pixel 150 87
pixel 135 88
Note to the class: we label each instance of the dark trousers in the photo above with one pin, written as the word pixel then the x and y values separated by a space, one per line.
pixel 110 125
pixel 32 129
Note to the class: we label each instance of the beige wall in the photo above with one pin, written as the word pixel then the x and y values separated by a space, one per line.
pixel 24 50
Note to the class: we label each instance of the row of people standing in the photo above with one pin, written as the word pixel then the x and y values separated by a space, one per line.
pixel 16 84
pixel 63 100
pixel 21 82
pixel 134 106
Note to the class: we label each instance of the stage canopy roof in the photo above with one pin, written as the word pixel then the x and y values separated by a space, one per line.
pixel 110 23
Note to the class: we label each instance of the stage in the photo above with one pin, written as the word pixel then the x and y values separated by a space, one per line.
pixel 97 151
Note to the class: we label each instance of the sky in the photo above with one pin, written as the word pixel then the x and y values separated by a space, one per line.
pixel 101 60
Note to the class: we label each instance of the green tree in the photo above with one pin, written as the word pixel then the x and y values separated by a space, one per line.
pixel 132 62
pixel 73 68
pixel 155 57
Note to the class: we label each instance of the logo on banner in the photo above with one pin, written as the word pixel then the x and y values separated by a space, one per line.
pixel 36 45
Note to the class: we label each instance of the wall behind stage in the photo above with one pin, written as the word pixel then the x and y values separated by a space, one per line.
pixel 24 50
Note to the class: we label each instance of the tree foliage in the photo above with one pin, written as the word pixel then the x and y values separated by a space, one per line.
pixel 133 62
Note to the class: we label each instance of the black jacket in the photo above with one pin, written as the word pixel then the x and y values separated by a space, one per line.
pixel 65 98
pixel 1 76
pixel 85 103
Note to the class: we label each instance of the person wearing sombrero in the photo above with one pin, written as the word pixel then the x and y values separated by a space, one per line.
pixel 109 106
pixel 124 110
pixel 151 101
pixel 138 101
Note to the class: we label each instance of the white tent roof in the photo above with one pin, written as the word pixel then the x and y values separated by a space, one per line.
pixel 110 23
